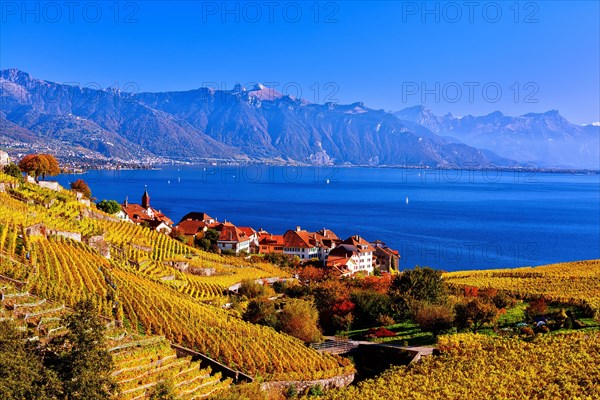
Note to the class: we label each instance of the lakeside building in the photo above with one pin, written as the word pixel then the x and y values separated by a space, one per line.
pixel 352 255
pixel 347 257
pixel 232 238
pixel 309 245
pixel 386 259
pixel 269 243
pixel 193 225
pixel 144 214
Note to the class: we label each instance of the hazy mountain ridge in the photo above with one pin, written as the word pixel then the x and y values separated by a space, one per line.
pixel 240 124
pixel 546 139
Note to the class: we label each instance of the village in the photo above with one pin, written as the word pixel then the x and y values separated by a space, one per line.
pixel 341 257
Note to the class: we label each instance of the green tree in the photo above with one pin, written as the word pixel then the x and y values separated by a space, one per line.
pixel 209 240
pixel 109 206
pixel 13 170
pixel 162 391
pixel 369 306
pixel 22 373
pixel 80 356
pixel 416 285
pixel 261 311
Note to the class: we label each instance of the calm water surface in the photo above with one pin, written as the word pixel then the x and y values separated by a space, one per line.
pixel 453 219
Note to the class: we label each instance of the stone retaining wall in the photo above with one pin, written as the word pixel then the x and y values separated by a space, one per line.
pixel 302 386
pixel 226 372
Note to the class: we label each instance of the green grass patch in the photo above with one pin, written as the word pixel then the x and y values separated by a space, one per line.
pixel 407 334
pixel 513 315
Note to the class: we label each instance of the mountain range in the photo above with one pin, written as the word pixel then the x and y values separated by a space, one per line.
pixel 541 139
pixel 260 124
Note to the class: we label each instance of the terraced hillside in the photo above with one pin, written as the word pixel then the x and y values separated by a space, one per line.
pixel 141 362
pixel 139 286
pixel 576 283
pixel 562 366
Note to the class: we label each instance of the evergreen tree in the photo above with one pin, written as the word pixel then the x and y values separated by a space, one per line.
pixel 81 359
pixel 22 373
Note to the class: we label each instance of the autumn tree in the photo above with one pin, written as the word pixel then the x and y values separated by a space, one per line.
pixel 252 289
pixel 310 274
pixel 299 318
pixel 474 313
pixel 435 318
pixel 80 186
pixel 537 307
pixel 327 296
pixel 38 165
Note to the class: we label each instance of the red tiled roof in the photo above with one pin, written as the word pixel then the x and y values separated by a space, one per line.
pixel 271 240
pixel 191 227
pixel 344 250
pixel 139 214
pixel 336 261
pixel 327 233
pixel 360 243
pixel 298 239
pixel 196 216
pixel 247 230
pixel 230 233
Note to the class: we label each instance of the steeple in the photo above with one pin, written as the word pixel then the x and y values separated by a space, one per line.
pixel 126 203
pixel 146 199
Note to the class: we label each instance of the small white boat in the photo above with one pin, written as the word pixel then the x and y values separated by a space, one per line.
pixel 406 199
pixel 327 181
pixel 169 182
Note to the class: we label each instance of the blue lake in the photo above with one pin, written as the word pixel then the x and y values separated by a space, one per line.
pixel 453 219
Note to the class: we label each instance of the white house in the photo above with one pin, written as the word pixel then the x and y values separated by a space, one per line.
pixel 356 249
pixel 4 158
pixel 232 238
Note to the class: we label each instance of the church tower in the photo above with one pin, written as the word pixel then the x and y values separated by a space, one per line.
pixel 146 200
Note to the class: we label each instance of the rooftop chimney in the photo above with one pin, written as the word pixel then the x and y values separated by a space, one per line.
pixel 298 228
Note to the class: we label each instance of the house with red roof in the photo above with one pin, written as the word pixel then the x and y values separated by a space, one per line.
pixel 232 238
pixel 301 244
pixel 144 214
pixel 253 235
pixel 386 259
pixel 269 243
pixel 355 254
pixel 344 260
pixel 194 224
pixel 192 230
pixel 308 245
pixel 198 216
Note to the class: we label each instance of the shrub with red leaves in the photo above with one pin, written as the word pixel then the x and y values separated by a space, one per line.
pixel 380 332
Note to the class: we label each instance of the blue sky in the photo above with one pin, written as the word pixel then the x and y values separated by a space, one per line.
pixel 516 57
